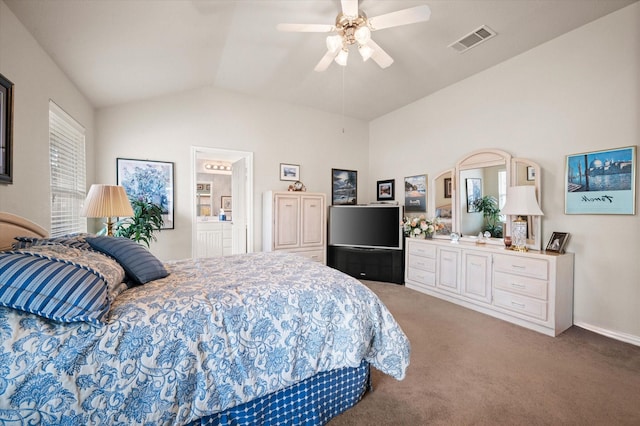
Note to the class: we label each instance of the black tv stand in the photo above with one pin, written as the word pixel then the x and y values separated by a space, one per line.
pixel 368 263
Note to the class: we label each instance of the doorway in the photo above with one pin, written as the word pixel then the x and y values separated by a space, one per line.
pixel 222 181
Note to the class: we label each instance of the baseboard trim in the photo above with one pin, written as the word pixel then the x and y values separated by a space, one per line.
pixel 628 338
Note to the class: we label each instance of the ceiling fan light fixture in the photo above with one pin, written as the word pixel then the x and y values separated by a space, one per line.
pixel 334 43
pixel 362 35
pixel 365 51
pixel 342 57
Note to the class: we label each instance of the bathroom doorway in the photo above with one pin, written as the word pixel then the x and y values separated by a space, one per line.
pixel 222 200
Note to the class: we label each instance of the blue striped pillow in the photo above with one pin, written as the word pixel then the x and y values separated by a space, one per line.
pixel 138 262
pixel 52 288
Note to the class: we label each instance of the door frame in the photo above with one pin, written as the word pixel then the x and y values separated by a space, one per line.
pixel 232 156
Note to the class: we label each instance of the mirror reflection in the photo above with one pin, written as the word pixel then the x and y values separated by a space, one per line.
pixel 443 201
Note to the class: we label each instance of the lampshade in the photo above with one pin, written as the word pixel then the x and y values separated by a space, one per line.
pixel 365 51
pixel 334 43
pixel 342 57
pixel 362 34
pixel 106 201
pixel 521 201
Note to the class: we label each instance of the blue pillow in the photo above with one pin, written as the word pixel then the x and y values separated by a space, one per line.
pixel 138 262
pixel 52 288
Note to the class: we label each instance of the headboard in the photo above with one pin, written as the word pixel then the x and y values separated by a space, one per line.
pixel 12 226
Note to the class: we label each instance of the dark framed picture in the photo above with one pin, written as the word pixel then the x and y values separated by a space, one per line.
pixel 474 193
pixel 415 193
pixel 601 182
pixel 151 181
pixel 531 173
pixel 6 130
pixel 289 171
pixel 557 242
pixel 386 190
pixel 225 203
pixel 447 187
pixel 344 187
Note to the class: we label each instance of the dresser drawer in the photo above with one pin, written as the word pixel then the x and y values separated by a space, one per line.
pixel 424 263
pixel 521 304
pixel 521 285
pixel 535 268
pixel 420 249
pixel 421 276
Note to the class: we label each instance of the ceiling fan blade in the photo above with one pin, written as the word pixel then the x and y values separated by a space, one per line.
pixel 381 57
pixel 350 7
pixel 326 60
pixel 305 28
pixel 400 17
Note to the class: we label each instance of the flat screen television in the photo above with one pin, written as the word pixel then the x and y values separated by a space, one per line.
pixel 371 226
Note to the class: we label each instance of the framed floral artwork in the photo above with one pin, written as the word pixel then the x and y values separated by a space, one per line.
pixel 151 181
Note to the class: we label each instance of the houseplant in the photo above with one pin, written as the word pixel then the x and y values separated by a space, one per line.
pixel 146 219
pixel 488 205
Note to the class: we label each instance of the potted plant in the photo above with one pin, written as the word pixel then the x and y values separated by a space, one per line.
pixel 488 205
pixel 146 219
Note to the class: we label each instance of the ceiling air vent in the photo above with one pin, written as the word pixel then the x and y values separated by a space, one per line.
pixel 473 39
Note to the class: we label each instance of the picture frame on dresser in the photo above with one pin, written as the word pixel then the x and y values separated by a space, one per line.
pixel 557 242
pixel 6 130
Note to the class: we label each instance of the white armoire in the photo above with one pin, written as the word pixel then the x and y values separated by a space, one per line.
pixel 295 222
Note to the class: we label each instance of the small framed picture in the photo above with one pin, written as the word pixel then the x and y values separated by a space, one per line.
pixel 557 242
pixel 289 171
pixel 474 193
pixel 225 202
pixel 531 173
pixel 386 189
pixel 447 187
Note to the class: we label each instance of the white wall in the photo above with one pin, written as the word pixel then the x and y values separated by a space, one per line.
pixel 164 129
pixel 36 79
pixel 577 93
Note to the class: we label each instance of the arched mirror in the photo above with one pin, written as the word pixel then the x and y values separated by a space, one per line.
pixel 482 181
pixel 443 201
pixel 526 172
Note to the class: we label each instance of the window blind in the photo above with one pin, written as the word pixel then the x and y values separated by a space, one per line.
pixel 68 172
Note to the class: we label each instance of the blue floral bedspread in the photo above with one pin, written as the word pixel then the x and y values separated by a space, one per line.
pixel 212 335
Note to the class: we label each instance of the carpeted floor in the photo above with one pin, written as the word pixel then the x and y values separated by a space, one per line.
pixel 471 369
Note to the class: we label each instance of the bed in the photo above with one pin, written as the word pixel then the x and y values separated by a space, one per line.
pixel 262 338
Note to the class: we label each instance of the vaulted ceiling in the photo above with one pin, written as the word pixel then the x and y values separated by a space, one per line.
pixel 119 51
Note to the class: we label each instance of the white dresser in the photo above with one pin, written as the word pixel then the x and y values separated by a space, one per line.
pixel 532 289
pixel 295 222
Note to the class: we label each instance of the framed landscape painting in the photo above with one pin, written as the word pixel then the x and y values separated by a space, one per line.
pixel 344 187
pixel 151 181
pixel 385 190
pixel 415 193
pixel 601 182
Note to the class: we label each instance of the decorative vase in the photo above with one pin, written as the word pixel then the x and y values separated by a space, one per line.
pixel 428 235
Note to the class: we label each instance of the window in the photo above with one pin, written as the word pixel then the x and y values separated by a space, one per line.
pixel 68 172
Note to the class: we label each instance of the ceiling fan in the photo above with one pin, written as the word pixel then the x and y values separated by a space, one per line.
pixel 354 27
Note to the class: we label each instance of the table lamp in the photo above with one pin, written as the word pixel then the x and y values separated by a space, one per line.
pixel 521 201
pixel 107 201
